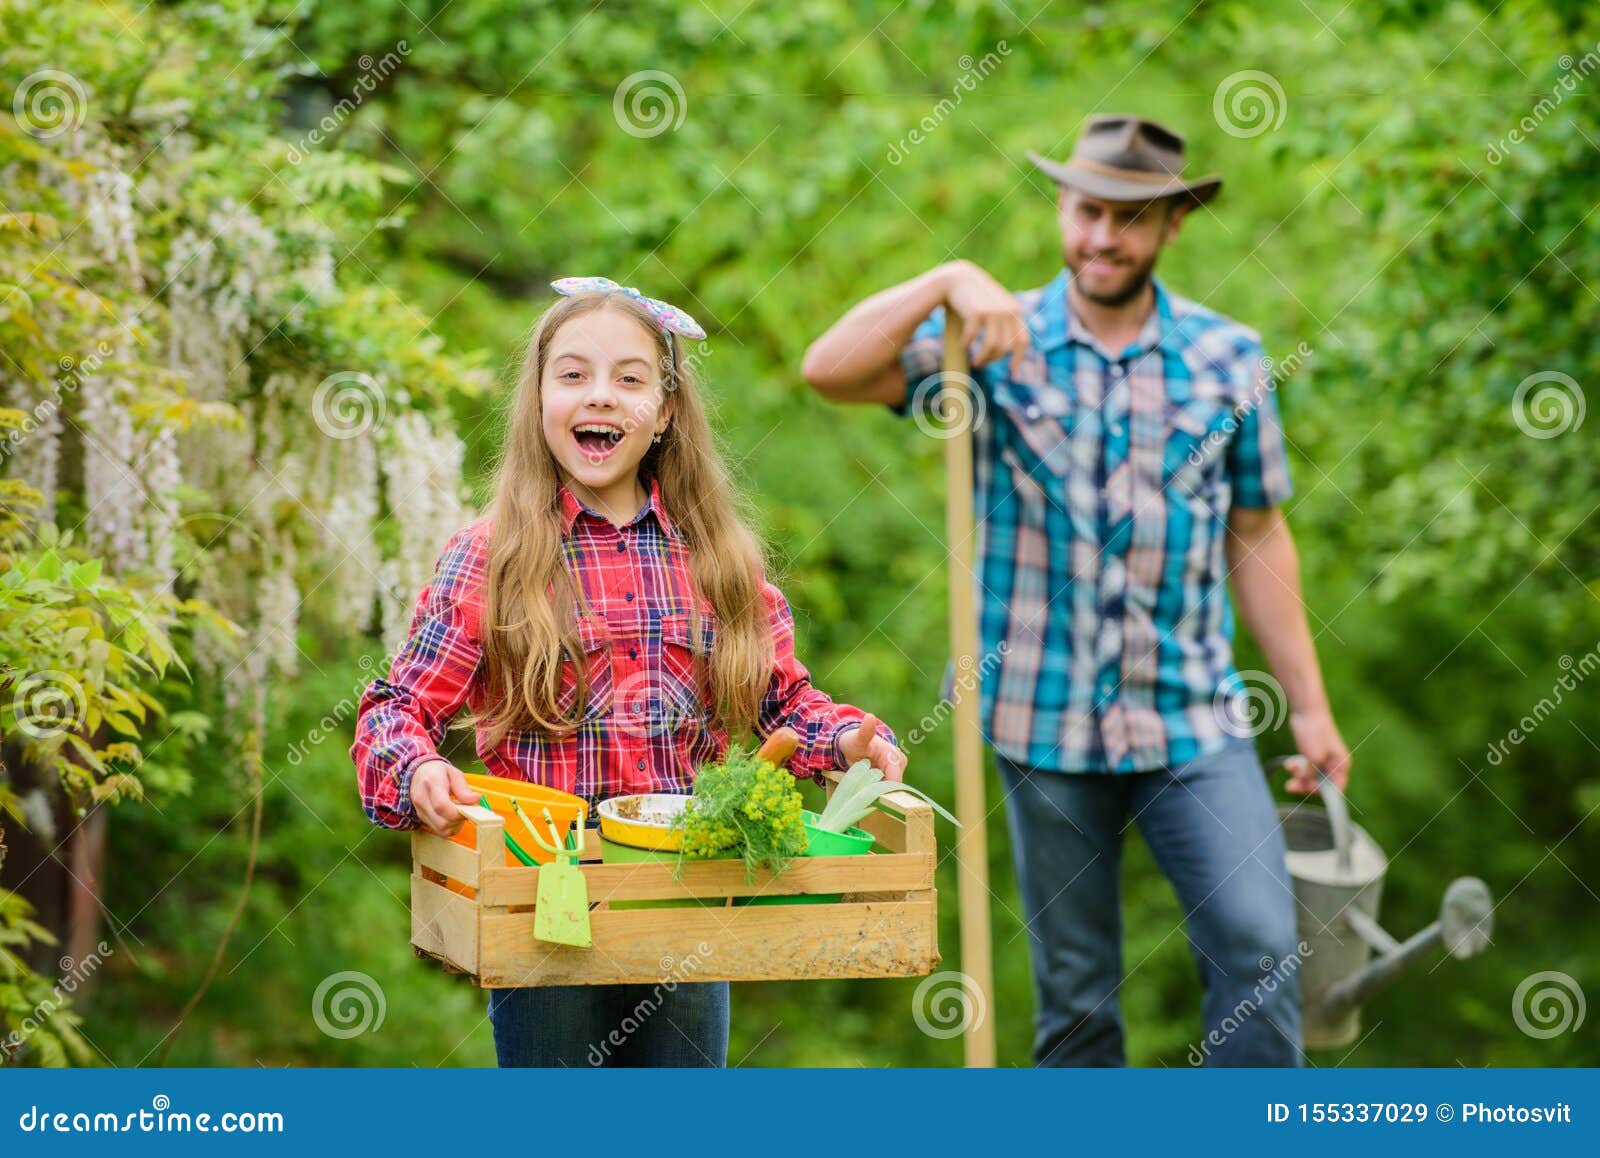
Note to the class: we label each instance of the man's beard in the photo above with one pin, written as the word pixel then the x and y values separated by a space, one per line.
pixel 1138 278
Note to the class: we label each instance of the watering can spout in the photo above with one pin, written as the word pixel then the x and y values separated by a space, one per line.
pixel 1466 918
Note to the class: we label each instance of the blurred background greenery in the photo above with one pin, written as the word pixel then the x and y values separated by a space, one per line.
pixel 1374 209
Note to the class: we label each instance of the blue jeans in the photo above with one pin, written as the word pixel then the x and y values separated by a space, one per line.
pixel 612 1025
pixel 1212 827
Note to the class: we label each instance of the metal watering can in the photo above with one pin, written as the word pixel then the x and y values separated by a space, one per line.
pixel 1337 870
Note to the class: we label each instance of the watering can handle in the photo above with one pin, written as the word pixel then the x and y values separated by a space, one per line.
pixel 1333 803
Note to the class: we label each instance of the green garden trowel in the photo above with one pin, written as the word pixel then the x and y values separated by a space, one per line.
pixel 561 909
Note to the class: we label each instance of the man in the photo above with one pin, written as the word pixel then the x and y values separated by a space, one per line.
pixel 1129 461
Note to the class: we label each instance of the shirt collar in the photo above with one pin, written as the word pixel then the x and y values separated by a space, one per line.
pixel 1052 322
pixel 572 507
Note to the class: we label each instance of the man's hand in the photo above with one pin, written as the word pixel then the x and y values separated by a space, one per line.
pixel 864 743
pixel 437 786
pixel 1317 738
pixel 988 309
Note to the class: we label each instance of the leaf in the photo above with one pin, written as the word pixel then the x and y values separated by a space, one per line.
pixel 90 757
pixel 86 574
pixel 122 724
pixel 858 790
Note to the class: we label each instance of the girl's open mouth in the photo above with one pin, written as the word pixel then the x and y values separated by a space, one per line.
pixel 597 440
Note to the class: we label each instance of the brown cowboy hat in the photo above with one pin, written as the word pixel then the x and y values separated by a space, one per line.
pixel 1125 158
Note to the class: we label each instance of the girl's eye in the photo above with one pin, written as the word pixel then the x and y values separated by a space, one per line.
pixel 571 376
pixel 633 380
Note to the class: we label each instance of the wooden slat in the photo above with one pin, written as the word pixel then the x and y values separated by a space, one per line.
pixel 490 828
pixel 918 830
pixel 444 924
pixel 889 831
pixel 445 856
pixel 655 881
pixel 773 943
pixel 898 821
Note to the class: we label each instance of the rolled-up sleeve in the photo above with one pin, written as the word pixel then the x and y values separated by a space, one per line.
pixel 791 700
pixel 403 715
pixel 1258 459
pixel 921 360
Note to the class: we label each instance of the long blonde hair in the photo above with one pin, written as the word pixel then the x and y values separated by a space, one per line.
pixel 531 598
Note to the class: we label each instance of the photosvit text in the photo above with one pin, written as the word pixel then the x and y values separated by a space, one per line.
pixel 1478 1113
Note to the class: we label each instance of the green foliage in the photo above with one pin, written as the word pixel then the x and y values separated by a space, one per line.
pixel 856 793
pixel 745 805
pixel 79 653
pixel 39 1025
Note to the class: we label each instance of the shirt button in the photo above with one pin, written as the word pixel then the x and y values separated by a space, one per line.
pixel 1116 430
pixel 629 597
pixel 1032 412
pixel 633 653
pixel 622 545
pixel 641 765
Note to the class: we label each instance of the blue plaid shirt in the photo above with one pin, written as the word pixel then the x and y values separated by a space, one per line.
pixel 1103 485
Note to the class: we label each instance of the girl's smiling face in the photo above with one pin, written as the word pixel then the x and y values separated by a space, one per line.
pixel 602 399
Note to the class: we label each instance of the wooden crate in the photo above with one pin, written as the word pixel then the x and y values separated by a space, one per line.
pixel 886 925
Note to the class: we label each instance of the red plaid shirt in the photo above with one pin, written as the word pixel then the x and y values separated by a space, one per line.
pixel 648 722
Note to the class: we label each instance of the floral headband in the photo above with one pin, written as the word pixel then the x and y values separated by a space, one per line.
pixel 669 317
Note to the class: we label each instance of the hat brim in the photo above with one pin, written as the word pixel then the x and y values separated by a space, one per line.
pixel 1109 187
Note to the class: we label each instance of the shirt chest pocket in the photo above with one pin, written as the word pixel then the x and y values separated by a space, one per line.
pixel 667 691
pixel 1035 442
pixel 594 637
pixel 1198 429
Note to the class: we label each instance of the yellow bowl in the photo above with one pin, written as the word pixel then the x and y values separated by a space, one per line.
pixel 643 821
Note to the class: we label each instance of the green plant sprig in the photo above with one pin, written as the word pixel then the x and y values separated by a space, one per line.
pixel 744 805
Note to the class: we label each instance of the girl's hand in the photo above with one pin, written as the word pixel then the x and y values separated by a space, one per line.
pixel 437 786
pixel 864 743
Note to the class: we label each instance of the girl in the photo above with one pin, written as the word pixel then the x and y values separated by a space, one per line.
pixel 608 626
